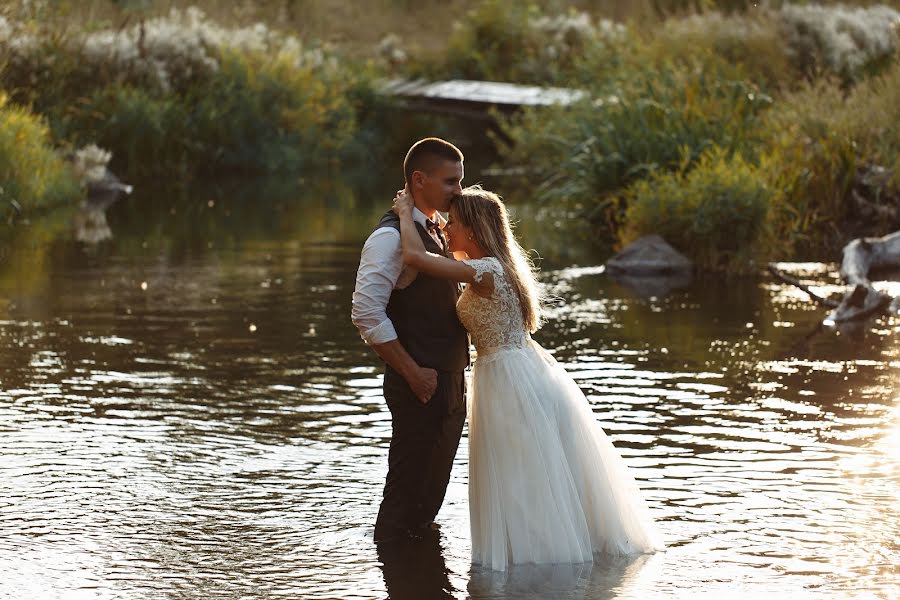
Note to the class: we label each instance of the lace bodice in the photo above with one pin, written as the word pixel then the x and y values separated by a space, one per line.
pixel 494 322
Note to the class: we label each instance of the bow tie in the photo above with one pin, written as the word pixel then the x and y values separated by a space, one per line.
pixel 431 226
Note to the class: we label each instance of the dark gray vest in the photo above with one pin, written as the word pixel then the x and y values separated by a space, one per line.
pixel 424 314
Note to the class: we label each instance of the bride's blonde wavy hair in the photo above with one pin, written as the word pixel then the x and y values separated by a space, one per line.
pixel 485 214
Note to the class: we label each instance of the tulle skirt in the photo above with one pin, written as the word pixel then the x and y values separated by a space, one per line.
pixel 545 483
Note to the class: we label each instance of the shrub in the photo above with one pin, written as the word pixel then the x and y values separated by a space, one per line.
pixel 754 42
pixel 818 139
pixel 657 120
pixel 716 212
pixel 180 94
pixel 849 42
pixel 517 42
pixel 32 174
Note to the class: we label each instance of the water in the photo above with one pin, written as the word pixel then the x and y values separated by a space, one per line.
pixel 186 411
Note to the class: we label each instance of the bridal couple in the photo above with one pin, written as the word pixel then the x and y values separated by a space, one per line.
pixel 545 483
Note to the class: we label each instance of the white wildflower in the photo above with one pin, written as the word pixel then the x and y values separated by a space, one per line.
pixel 576 25
pixel 89 163
pixel 168 52
pixel 843 39
pixel 6 30
pixel 390 49
pixel 611 31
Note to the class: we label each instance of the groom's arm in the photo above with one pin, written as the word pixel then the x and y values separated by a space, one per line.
pixel 422 380
pixel 380 266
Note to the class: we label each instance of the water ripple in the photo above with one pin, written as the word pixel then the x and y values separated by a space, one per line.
pixel 153 444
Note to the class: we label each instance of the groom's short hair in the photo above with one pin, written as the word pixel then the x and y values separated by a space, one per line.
pixel 424 155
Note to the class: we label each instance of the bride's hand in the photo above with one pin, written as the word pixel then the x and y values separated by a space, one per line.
pixel 403 203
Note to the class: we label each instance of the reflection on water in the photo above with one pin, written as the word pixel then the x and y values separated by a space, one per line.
pixel 187 411
pixel 602 580
pixel 416 569
pixel 90 225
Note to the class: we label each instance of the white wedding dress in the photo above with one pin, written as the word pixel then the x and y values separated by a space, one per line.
pixel 545 483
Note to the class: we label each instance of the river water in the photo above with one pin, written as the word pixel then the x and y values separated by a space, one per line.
pixel 186 411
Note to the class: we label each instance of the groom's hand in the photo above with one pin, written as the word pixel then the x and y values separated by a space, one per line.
pixel 423 382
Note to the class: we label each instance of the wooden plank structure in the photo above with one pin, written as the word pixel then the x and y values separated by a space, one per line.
pixel 474 99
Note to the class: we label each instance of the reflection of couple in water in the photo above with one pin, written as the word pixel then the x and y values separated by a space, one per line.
pixel 417 570
pixel 546 486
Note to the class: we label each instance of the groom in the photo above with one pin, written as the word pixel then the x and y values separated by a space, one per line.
pixel 409 319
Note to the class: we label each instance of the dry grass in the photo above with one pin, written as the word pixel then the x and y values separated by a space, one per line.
pixel 354 25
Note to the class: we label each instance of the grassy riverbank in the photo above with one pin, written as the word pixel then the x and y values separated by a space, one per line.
pixel 179 94
pixel 742 134
pixel 741 137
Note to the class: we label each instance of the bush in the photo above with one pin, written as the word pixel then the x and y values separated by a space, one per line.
pixel 777 45
pixel 180 94
pixel 848 42
pixel 252 116
pixel 32 175
pixel 715 212
pixel 754 42
pixel 517 42
pixel 818 140
pixel 657 120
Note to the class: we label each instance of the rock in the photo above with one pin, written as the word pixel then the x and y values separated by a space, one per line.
pixel 649 256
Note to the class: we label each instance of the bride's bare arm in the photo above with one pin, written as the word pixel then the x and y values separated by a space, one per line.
pixel 415 255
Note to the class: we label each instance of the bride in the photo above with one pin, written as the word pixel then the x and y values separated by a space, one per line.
pixel 545 483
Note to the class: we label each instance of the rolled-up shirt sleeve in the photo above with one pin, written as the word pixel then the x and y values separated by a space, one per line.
pixel 380 265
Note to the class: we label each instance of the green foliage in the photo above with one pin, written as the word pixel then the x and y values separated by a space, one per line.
pixel 32 174
pixel 252 116
pixel 181 95
pixel 656 121
pixel 754 42
pixel 147 134
pixel 818 138
pixel 838 40
pixel 716 212
pixel 518 42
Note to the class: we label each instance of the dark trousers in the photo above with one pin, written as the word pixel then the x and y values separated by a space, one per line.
pixel 424 440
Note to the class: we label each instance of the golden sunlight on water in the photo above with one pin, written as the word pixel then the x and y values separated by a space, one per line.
pixel 204 422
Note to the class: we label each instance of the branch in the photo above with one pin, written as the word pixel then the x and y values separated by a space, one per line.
pixel 790 280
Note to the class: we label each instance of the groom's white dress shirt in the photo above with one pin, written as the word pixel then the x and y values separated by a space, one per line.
pixel 381 271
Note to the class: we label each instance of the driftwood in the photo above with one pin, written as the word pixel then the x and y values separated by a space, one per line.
pixel 796 283
pixel 860 258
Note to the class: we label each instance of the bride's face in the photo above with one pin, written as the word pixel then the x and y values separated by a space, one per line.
pixel 459 237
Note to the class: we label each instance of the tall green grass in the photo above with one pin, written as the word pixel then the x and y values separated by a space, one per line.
pixel 654 121
pixel 819 139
